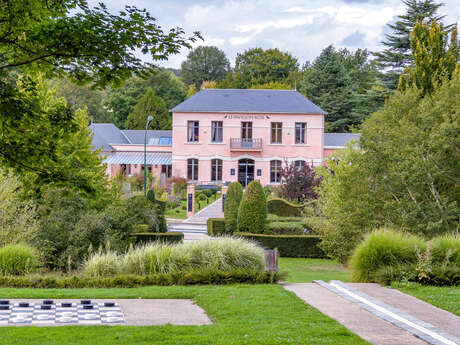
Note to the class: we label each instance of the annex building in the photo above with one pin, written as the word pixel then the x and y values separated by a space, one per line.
pixel 221 135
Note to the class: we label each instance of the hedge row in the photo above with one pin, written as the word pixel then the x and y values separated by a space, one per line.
pixel 291 246
pixel 131 281
pixel 283 208
pixel 165 237
pixel 216 226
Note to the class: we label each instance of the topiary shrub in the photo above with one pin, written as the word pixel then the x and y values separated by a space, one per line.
pixel 283 208
pixel 151 195
pixel 161 209
pixel 252 212
pixel 216 226
pixel 232 203
pixel 381 248
pixel 17 259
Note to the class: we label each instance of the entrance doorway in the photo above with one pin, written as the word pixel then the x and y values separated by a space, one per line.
pixel 245 171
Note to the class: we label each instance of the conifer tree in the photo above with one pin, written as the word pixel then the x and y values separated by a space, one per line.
pixel 153 105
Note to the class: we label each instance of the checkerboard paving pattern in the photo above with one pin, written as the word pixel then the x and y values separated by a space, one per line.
pixel 75 314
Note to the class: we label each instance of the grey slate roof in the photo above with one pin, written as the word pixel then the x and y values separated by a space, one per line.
pixel 153 137
pixel 106 134
pixel 339 139
pixel 248 101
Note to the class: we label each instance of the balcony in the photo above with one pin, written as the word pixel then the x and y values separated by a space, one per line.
pixel 238 144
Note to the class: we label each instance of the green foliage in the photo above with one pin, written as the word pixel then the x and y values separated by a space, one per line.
pixel 231 207
pixel 257 66
pixel 204 63
pixel 191 91
pixel 445 249
pixel 224 254
pixel 194 277
pixel 18 217
pixel 151 196
pixel 381 248
pixel 140 228
pixel 402 175
pixel 397 54
pixel 89 44
pixel 166 237
pixel 285 227
pixel 153 105
pixel 17 259
pixel 216 226
pixel 161 218
pixel 436 54
pixel 252 212
pixel 283 208
pixel 345 85
pixel 291 246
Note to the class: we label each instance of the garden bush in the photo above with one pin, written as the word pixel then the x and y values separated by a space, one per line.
pixel 192 277
pixel 384 247
pixel 161 210
pixel 232 203
pixel 17 259
pixel 285 228
pixel 283 208
pixel 292 246
pixel 446 249
pixel 165 237
pixel 224 254
pixel 216 226
pixel 252 212
pixel 439 275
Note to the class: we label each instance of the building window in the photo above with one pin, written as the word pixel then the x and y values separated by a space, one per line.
pixel 300 132
pixel 275 167
pixel 193 131
pixel 166 169
pixel 246 131
pixel 277 133
pixel 299 165
pixel 216 170
pixel 192 169
pixel 217 132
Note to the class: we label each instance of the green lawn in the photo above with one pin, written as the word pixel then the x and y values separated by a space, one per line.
pixel 306 270
pixel 242 314
pixel 446 297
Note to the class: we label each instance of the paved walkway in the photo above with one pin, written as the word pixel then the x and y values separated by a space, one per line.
pixel 194 228
pixel 373 325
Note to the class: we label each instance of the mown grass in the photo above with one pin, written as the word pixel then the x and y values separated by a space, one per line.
pixel 241 314
pixel 301 270
pixel 444 297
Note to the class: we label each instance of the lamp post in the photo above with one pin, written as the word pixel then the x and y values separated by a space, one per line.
pixel 145 154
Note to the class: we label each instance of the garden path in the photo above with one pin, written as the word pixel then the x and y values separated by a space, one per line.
pixel 194 228
pixel 381 315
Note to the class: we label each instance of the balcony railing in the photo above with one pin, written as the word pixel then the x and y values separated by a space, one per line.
pixel 238 144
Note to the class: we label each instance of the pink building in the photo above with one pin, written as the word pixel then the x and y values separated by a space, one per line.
pixel 224 135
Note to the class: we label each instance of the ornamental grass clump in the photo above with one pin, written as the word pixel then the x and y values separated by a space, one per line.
pixel 446 250
pixel 102 265
pixel 17 259
pixel 164 258
pixel 225 254
pixel 384 247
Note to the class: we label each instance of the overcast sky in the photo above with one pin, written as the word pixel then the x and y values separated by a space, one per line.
pixel 301 27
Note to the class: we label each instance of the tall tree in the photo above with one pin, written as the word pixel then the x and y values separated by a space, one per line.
pixel 397 54
pixel 153 105
pixel 436 55
pixel 205 63
pixel 257 66
pixel 88 44
pixel 165 84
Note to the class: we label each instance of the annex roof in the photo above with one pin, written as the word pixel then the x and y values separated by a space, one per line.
pixel 160 158
pixel 338 140
pixel 105 134
pixel 248 101
pixel 162 138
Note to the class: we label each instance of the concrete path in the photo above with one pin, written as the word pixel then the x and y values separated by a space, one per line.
pixel 194 228
pixel 373 325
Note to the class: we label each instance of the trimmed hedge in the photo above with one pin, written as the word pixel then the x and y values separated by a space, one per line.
pixel 285 228
pixel 252 213
pixel 283 208
pixel 216 226
pixel 232 203
pixel 131 281
pixel 291 246
pixel 166 237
